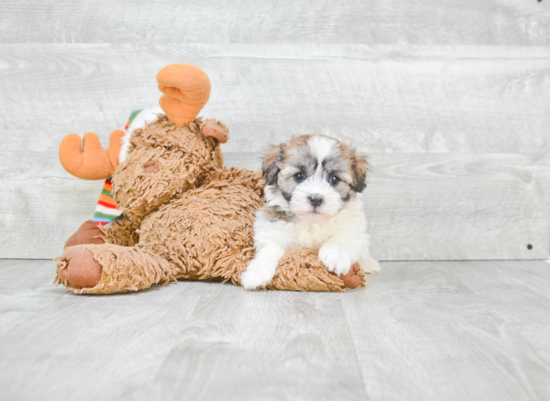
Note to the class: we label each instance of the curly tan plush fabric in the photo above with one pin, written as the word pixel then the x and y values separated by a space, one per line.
pixel 185 217
pixel 121 269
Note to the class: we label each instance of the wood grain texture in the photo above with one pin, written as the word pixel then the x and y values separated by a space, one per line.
pixel 489 22
pixel 384 98
pixel 25 290
pixel 187 341
pixel 420 330
pixel 419 206
pixel 520 290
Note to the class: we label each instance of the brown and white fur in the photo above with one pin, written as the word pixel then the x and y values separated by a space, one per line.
pixel 311 202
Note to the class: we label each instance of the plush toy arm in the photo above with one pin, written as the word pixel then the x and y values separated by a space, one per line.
pixel 301 270
pixel 121 232
pixel 89 160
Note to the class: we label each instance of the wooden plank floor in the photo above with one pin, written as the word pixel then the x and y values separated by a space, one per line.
pixel 420 330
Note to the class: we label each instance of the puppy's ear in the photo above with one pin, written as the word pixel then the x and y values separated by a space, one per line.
pixel 271 162
pixel 359 167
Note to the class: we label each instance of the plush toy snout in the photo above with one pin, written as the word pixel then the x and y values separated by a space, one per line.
pixel 151 167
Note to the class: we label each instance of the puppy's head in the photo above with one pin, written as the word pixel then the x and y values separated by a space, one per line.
pixel 313 175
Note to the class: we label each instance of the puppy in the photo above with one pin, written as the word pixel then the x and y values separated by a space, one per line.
pixel 312 201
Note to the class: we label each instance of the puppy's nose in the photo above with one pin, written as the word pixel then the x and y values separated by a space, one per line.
pixel 315 200
pixel 151 167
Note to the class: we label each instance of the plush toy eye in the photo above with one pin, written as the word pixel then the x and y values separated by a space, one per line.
pixel 299 177
pixel 334 180
pixel 167 147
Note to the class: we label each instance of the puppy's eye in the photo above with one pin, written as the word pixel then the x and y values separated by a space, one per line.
pixel 167 147
pixel 299 177
pixel 334 180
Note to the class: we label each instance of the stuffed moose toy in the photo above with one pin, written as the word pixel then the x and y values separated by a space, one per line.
pixel 184 215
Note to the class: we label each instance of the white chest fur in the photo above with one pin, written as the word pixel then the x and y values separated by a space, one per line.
pixel 310 232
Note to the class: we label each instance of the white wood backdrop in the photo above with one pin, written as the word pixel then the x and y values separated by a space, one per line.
pixel 477 22
pixel 450 99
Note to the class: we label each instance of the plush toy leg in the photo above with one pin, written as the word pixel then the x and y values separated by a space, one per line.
pixel 87 233
pixel 301 270
pixel 108 269
pixel 78 268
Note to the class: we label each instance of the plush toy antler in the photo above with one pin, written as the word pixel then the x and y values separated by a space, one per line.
pixel 92 162
pixel 185 88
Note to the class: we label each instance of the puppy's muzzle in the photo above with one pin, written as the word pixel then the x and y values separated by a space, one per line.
pixel 315 200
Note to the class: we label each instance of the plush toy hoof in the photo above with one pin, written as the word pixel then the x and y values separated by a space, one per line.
pixel 352 279
pixel 78 268
pixel 87 233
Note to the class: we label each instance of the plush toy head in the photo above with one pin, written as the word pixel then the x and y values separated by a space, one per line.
pixel 185 89
pixel 164 160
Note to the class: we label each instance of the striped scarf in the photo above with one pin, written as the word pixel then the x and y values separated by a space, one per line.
pixel 106 210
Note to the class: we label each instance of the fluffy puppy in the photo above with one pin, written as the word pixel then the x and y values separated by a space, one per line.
pixel 312 182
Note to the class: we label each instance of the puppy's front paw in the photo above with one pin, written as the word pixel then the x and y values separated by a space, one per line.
pixel 255 277
pixel 335 258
